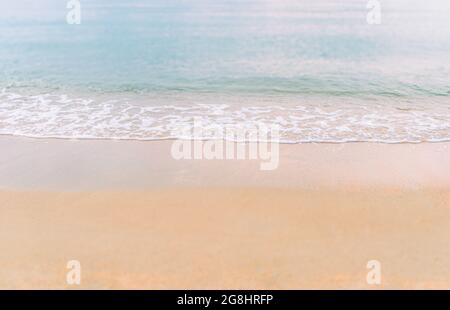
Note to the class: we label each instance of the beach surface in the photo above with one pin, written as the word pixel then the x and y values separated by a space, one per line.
pixel 135 218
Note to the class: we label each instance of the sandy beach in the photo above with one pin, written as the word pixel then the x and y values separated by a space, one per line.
pixel 120 161
pixel 135 218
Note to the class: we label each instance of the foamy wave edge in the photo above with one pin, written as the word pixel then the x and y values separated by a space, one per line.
pixel 52 116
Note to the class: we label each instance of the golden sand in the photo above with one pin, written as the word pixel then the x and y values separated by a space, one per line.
pixel 225 239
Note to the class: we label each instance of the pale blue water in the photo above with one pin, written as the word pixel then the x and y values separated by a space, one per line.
pixel 137 69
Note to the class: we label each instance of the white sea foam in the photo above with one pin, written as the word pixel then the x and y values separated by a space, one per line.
pixel 161 117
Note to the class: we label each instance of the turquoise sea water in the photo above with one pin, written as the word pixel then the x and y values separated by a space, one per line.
pixel 138 69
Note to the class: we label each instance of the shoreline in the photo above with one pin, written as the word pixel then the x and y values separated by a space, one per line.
pixel 38 138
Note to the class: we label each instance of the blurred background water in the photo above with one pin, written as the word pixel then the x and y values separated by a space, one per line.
pixel 137 69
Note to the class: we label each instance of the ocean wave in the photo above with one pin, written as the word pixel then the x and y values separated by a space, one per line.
pixel 299 119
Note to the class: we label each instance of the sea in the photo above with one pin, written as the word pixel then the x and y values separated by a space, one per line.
pixel 322 70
